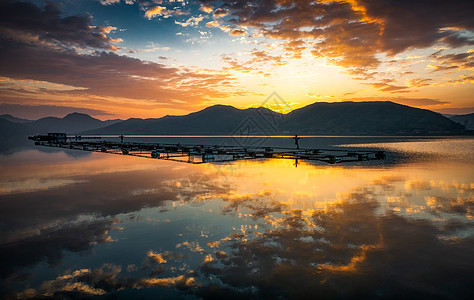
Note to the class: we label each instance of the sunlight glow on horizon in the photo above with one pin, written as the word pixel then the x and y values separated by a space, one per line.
pixel 165 60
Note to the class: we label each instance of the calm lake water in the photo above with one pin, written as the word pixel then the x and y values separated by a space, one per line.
pixel 79 224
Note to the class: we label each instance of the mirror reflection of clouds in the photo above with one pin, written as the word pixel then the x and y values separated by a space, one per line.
pixel 251 229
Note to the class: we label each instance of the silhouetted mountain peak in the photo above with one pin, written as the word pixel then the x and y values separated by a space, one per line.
pixel 13 119
pixel 48 119
pixel 72 123
pixel 465 120
pixel 370 117
pixel 79 116
pixel 261 109
pixel 218 108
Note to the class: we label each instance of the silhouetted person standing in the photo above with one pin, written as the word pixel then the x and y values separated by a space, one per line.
pixel 296 138
pixel 121 138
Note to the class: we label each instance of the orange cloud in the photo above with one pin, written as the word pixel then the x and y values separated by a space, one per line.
pixel 237 32
pixel 158 11
pixel 257 64
pixel 100 77
pixel 218 13
pixel 463 79
pixel 459 61
pixel 352 33
pixel 419 82
pixel 207 8
pixel 386 87
pixel 156 257
pixel 212 24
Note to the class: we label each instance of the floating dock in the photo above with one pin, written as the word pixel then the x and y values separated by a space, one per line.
pixel 197 154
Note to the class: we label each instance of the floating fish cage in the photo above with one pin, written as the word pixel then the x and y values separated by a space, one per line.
pixel 214 153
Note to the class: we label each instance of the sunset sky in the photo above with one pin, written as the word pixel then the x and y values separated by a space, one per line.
pixel 148 58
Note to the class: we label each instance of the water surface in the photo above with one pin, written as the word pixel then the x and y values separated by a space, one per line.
pixel 78 224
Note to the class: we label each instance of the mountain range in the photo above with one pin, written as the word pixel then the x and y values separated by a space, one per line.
pixel 341 118
pixel 16 128
pixel 317 118
pixel 466 120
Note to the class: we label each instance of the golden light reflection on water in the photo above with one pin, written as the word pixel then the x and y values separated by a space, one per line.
pixel 407 188
pixel 259 189
pixel 342 211
pixel 442 148
pixel 317 224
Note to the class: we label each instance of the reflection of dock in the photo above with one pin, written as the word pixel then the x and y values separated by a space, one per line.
pixel 197 154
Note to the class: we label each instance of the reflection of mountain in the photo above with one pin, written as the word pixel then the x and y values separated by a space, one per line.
pixel 51 150
pixel 466 120
pixel 317 118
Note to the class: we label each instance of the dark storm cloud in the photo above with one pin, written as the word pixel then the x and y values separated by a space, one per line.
pixel 25 20
pixel 419 23
pixel 351 33
pixel 457 40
